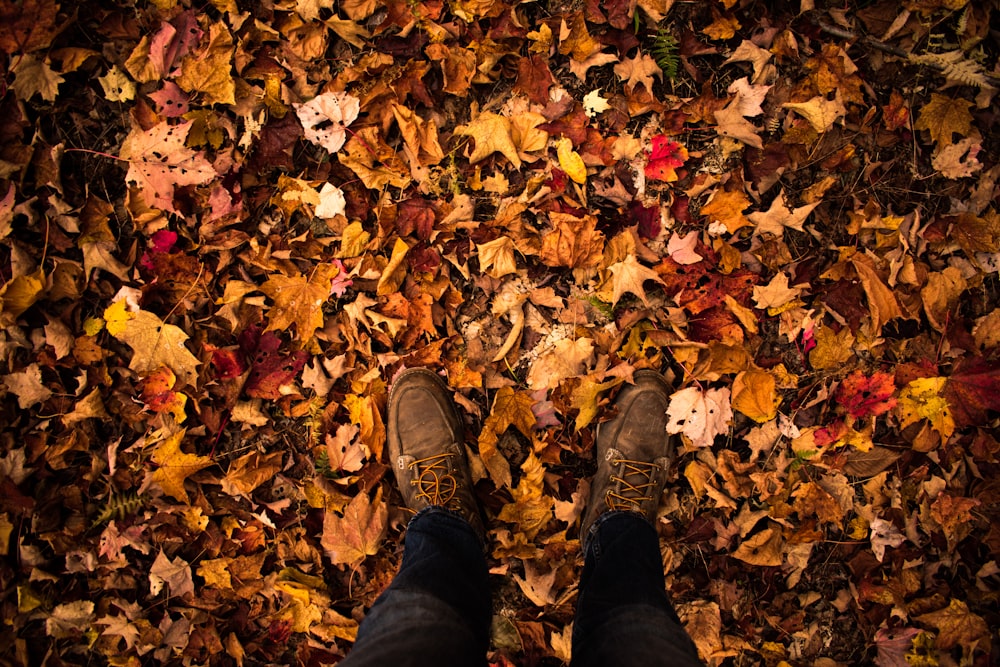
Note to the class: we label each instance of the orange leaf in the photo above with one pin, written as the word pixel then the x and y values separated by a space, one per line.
pixel 175 466
pixel 350 538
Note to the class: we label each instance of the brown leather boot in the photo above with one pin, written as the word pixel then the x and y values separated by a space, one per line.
pixel 634 452
pixel 426 447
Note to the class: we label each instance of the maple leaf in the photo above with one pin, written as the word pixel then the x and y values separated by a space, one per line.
pixel 27 386
pixel 863 396
pixel 779 216
pixel 943 117
pixel 159 161
pixel 765 549
pixel 176 573
pixel 776 293
pixel 28 26
pixel 664 157
pixel 153 342
pixel 638 71
pixel 922 399
pixel 747 51
pixel 698 415
pixel 325 116
pixel 492 133
pixel 574 241
pixel 209 70
pixel 272 371
pixel 299 300
pixel 175 466
pixel 732 123
pixel 972 389
pixel 956 625
pixel 34 76
pixel 250 471
pixel 351 538
pixel 345 452
pixel 565 358
pixel 629 276
pixel 510 408
pixel 496 257
pixel 820 112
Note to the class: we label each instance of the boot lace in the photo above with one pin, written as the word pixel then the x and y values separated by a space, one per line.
pixel 434 482
pixel 636 479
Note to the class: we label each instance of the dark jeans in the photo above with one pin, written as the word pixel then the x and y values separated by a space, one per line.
pixel 437 610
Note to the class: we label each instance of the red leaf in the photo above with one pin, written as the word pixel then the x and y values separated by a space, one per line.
pixel 865 396
pixel 972 389
pixel 534 79
pixel 664 158
pixel 270 369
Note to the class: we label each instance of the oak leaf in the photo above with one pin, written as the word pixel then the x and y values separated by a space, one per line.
pixel 159 161
pixel 350 538
pixel 175 466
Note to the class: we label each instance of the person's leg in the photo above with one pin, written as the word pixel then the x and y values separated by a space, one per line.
pixel 437 609
pixel 623 615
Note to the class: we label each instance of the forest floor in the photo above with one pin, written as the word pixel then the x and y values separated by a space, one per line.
pixel 225 226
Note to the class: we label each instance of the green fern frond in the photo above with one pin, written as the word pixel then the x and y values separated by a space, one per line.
pixel 664 52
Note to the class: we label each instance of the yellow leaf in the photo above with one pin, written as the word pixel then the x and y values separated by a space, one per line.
pixel 765 548
pixel 215 572
pixel 585 397
pixel 922 399
pixel 509 409
pixel 492 133
pixel 175 466
pixel 395 271
pixel 755 396
pixel 153 342
pixel 727 208
pixel 943 117
pixel 353 240
pixel 250 471
pixel 20 293
pixel 209 70
pixel 570 161
pixel 723 27
pixel 832 349
pixel 532 508
pixel 956 625
pixel 820 112
pixel 630 276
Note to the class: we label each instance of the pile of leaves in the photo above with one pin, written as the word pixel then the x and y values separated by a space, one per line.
pixel 225 226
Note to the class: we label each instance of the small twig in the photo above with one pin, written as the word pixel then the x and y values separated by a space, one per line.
pixel 882 46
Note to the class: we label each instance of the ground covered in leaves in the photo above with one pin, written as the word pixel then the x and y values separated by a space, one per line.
pixel 225 226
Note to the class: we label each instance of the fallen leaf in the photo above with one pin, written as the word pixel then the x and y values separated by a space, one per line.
pixel 174 466
pixel 755 395
pixel 763 549
pixel 159 162
pixel 922 399
pixel 956 625
pixel 351 538
pixel 699 415
pixel 325 117
pixel 629 276
pixel 492 134
pixel 155 344
pixel 176 573
pixel 510 408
